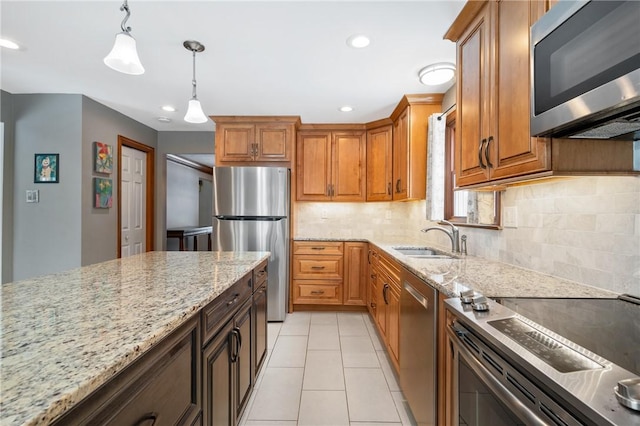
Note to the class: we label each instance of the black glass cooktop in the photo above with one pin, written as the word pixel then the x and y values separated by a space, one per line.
pixel 607 327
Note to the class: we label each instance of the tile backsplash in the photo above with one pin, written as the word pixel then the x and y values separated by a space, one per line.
pixel 584 229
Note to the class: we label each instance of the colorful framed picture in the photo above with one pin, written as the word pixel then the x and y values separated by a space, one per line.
pixel 46 168
pixel 103 157
pixel 103 193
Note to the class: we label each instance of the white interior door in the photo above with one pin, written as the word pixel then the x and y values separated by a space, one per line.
pixel 133 171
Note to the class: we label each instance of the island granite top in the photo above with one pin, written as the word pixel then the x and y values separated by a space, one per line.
pixel 65 334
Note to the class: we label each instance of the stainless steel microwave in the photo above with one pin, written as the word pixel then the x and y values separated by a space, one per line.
pixel 585 60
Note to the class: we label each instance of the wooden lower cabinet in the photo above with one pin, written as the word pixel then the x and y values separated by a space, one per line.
pixel 161 385
pixel 384 303
pixel 329 273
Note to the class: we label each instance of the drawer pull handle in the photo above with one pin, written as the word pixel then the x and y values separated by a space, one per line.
pixel 149 417
pixel 317 292
pixel 318 248
pixel 234 300
pixel 317 267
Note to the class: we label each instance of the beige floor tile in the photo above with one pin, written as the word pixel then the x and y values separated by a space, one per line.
pixel 324 318
pixel 294 329
pixel 358 352
pixel 368 396
pixel 269 423
pixel 278 398
pixel 273 328
pixel 403 409
pixel 351 324
pixel 326 408
pixel 289 351
pixel 324 337
pixel 388 371
pixel 375 337
pixel 323 371
pixel 373 424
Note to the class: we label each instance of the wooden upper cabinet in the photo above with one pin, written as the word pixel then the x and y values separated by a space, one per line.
pixel 331 165
pixel 493 94
pixel 380 164
pixel 410 123
pixel 254 140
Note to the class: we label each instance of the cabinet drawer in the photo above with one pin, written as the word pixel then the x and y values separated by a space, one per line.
pixel 389 267
pixel 318 247
pixel 216 314
pixel 260 275
pixel 163 384
pixel 317 267
pixel 314 292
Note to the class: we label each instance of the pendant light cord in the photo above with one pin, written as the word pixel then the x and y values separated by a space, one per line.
pixel 123 25
pixel 193 93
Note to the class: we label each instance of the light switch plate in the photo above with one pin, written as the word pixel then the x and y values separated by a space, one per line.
pixel 33 196
pixel 510 217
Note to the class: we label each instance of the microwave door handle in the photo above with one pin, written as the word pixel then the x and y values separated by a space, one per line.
pixel 494 385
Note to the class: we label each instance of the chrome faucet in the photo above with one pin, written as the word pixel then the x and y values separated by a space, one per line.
pixel 453 234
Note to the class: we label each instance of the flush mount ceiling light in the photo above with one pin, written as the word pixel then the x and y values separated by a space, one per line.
pixel 164 119
pixel 437 73
pixel 8 44
pixel 346 108
pixel 194 112
pixel 358 41
pixel 168 108
pixel 124 56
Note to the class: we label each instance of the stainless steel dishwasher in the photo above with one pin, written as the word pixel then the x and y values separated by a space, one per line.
pixel 418 347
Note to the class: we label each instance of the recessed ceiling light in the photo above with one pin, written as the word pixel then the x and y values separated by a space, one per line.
pixel 164 119
pixel 358 41
pixel 8 44
pixel 437 73
pixel 346 108
pixel 168 108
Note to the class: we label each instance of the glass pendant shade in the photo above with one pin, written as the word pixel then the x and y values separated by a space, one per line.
pixel 124 56
pixel 194 113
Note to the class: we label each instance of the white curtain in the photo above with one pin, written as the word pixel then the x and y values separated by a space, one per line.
pixel 435 168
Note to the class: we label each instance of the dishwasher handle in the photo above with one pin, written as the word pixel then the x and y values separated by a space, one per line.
pixel 416 295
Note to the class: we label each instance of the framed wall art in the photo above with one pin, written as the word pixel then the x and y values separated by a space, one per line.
pixel 46 168
pixel 103 193
pixel 103 157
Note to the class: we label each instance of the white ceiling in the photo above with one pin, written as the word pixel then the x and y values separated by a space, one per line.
pixel 261 58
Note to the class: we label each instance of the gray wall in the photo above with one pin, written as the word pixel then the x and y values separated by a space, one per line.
pixel 183 201
pixel 47 234
pixel 100 226
pixel 174 143
pixel 6 116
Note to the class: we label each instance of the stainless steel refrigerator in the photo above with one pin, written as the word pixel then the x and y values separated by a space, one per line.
pixel 251 213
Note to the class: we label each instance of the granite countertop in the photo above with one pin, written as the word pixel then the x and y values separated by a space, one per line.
pixel 491 278
pixel 65 334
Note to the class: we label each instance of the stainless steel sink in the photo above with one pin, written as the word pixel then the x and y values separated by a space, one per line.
pixel 421 253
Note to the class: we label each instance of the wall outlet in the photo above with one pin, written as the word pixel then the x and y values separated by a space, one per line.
pixel 33 195
pixel 510 217
pixel 324 214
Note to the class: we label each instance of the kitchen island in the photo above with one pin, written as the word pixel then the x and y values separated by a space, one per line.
pixel 65 335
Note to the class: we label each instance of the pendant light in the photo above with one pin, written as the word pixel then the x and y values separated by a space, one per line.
pixel 124 56
pixel 194 112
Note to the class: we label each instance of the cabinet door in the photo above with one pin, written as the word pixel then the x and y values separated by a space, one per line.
pixel 400 155
pixel 313 157
pixel 382 290
pixel 348 166
pixel 216 386
pixel 273 142
pixel 513 151
pixel 241 345
pixel 235 142
pixel 355 273
pixel 473 85
pixel 380 164
pixel 393 323
pixel 260 320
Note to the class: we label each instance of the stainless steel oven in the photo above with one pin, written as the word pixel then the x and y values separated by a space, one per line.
pixel 509 370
